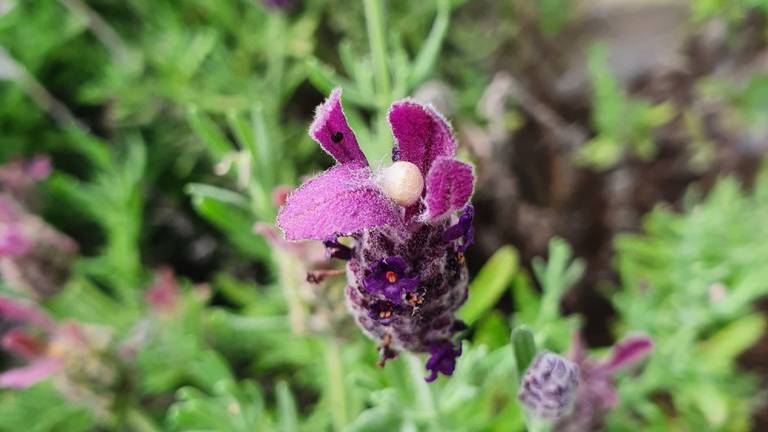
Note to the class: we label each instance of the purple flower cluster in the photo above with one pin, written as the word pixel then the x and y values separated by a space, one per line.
pixel 549 385
pixel 35 258
pixel 406 270
pixel 68 352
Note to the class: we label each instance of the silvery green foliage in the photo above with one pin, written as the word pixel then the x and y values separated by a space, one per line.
pixel 689 282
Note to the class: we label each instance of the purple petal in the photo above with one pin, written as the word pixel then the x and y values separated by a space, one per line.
pixel 331 130
pixel 16 311
pixel 462 230
pixel 442 360
pixel 23 343
pixel 628 352
pixel 449 187
pixel 341 201
pixel 378 282
pixel 383 311
pixel 421 134
pixel 39 168
pixel 13 242
pixel 30 375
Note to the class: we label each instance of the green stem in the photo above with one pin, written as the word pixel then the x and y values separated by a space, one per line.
pixel 423 391
pixel 336 387
pixel 374 20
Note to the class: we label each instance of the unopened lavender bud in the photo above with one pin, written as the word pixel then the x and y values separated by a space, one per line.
pixel 549 386
pixel 402 183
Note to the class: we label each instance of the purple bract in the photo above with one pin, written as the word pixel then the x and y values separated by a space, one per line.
pixel 406 270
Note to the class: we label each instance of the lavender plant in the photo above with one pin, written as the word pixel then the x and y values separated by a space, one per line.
pixel 406 270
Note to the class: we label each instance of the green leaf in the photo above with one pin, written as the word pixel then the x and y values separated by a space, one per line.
pixel 722 348
pixel 217 143
pixel 527 300
pixel 489 284
pixel 430 50
pixel 287 416
pixel 524 348
pixel 216 193
pixel 492 330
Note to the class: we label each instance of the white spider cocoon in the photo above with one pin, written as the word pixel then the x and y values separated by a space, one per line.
pixel 402 183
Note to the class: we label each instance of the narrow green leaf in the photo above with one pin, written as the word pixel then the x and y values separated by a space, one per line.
pixel 217 193
pixel 217 143
pixel 524 348
pixel 489 284
pixel 287 415
pixel 723 347
pixel 425 60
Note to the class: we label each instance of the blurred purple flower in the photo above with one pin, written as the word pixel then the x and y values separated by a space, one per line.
pixel 549 386
pixel 406 271
pixel 597 394
pixel 34 257
pixel 74 356
pixel 18 178
pixel 25 343
pixel 163 295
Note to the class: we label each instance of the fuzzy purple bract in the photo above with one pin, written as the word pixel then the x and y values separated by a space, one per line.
pixel 406 275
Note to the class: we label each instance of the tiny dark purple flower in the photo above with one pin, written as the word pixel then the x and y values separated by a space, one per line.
pixel 462 229
pixel 442 359
pixel 406 270
pixel 549 386
pixel 383 311
pixel 388 279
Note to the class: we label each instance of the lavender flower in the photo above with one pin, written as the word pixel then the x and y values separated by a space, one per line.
pixel 549 386
pixel 406 272
pixel 76 357
pixel 34 257
pixel 164 295
pixel 597 394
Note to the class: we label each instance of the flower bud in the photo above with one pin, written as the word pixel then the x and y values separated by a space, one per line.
pixel 402 183
pixel 549 386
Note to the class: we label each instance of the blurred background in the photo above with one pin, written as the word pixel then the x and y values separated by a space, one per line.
pixel 147 145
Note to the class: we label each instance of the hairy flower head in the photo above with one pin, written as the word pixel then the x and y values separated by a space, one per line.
pixel 406 272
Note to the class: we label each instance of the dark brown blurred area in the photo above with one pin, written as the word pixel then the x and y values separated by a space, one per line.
pixel 529 190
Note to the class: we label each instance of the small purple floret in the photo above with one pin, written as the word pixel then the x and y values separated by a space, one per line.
pixel 388 278
pixel 442 360
pixel 462 229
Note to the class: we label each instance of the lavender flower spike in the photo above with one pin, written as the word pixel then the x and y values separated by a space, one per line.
pixel 406 272
pixel 597 394
pixel 549 386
